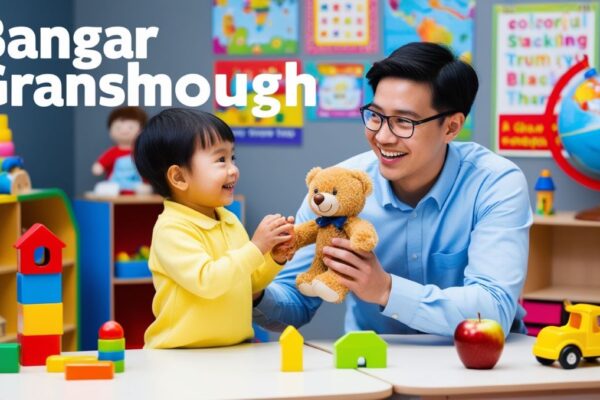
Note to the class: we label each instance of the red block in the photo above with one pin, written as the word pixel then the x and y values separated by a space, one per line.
pixel 39 237
pixel 35 349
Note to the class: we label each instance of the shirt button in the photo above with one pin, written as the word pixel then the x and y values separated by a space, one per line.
pixel 395 316
pixel 413 215
pixel 414 256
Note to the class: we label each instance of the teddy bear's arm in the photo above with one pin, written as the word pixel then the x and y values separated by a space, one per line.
pixel 361 233
pixel 305 233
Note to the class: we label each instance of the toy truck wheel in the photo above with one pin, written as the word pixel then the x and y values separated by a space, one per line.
pixel 569 357
pixel 544 361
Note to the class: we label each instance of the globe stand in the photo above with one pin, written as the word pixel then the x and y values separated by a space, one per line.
pixel 592 214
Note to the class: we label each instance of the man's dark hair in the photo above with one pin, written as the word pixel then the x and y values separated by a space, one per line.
pixel 171 138
pixel 134 113
pixel 453 82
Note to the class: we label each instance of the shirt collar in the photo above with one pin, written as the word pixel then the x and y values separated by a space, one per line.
pixel 203 221
pixel 439 192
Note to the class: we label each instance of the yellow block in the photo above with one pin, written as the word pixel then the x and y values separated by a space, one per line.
pixel 3 121
pixel 58 363
pixel 40 319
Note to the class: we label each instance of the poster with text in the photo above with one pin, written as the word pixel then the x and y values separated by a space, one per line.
pixel 341 90
pixel 284 128
pixel 242 27
pixel 534 45
pixel 335 26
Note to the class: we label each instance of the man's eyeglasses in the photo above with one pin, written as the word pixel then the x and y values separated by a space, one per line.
pixel 401 127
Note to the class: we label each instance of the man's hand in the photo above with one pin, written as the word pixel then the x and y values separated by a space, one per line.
pixel 359 271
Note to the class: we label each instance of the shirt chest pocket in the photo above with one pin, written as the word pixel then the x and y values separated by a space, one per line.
pixel 447 269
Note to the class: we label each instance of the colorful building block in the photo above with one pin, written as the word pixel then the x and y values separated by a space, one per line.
pixel 292 346
pixel 544 188
pixel 111 344
pixel 366 345
pixel 9 358
pixel 111 355
pixel 38 236
pixel 36 349
pixel 40 319
pixel 119 366
pixel 39 289
pixel 98 370
pixel 58 363
pixel 111 330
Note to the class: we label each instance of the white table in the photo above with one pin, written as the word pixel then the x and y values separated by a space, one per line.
pixel 238 372
pixel 428 366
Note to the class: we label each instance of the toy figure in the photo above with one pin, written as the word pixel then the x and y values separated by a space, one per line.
pixel 125 124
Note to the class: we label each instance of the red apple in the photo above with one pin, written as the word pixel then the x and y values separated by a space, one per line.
pixel 479 342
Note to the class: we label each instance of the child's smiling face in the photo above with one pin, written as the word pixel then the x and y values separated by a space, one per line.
pixel 210 178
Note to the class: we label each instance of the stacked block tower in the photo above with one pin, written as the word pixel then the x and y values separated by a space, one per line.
pixel 111 345
pixel 13 178
pixel 39 295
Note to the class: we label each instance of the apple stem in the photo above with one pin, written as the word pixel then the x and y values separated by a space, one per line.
pixel 479 316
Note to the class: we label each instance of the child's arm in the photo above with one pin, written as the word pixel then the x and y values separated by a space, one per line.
pixel 185 259
pixel 265 273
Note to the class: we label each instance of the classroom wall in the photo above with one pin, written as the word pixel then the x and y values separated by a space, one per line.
pixel 42 136
pixel 272 178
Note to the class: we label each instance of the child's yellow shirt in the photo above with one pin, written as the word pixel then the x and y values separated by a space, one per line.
pixel 204 272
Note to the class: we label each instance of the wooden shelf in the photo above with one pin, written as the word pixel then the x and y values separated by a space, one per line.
pixel 566 218
pixel 8 269
pixel 12 337
pixel 132 281
pixel 131 199
pixel 560 293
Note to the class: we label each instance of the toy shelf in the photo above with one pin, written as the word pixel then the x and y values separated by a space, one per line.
pixel 18 213
pixel 564 262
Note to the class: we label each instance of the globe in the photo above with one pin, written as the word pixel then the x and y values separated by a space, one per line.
pixel 579 123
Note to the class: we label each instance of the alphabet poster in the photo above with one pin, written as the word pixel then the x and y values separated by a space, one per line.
pixel 535 44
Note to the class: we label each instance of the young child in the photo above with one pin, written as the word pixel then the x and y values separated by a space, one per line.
pixel 204 267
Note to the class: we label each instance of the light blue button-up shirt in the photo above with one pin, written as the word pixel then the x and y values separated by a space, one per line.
pixel 461 251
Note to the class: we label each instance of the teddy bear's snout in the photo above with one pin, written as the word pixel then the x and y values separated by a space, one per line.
pixel 318 198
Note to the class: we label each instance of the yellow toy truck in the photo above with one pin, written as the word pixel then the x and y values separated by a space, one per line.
pixel 580 337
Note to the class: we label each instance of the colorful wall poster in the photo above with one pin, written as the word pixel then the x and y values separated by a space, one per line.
pixel 285 128
pixel 336 26
pixel 448 22
pixel 535 44
pixel 341 90
pixel 242 27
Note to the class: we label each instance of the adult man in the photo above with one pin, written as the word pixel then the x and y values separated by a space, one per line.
pixel 452 218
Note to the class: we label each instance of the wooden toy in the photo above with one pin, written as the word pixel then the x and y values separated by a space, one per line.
pixel 361 345
pixel 291 342
pixel 98 370
pixel 111 345
pixel 36 349
pixel 58 363
pixel 38 236
pixel 39 294
pixel 15 182
pixel 9 358
pixel 39 289
pixel 544 187
pixel 580 337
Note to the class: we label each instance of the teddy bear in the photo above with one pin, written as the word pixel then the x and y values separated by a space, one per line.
pixel 337 195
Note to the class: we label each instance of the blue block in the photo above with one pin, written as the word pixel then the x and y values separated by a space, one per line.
pixel 132 269
pixel 111 355
pixel 39 289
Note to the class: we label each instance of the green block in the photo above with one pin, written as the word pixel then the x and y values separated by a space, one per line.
pixel 361 345
pixel 9 358
pixel 110 345
pixel 119 366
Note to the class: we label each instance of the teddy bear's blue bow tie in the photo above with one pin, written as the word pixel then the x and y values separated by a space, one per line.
pixel 338 222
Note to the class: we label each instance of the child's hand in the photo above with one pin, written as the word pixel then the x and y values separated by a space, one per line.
pixel 273 230
pixel 285 251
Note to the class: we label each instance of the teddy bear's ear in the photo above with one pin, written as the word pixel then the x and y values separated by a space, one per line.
pixel 365 180
pixel 311 174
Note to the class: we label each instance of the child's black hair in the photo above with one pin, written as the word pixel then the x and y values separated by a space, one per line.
pixel 171 138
